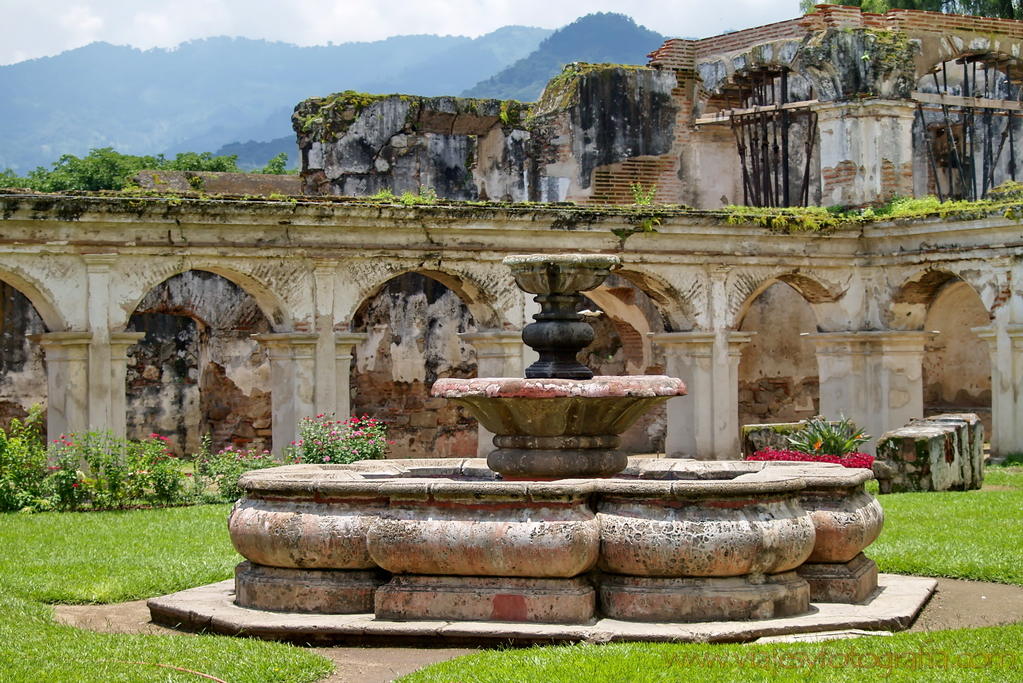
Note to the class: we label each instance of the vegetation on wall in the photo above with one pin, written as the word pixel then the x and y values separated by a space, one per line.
pixel 1002 9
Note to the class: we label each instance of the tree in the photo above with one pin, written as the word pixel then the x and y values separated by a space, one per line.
pixel 105 169
pixel 1002 9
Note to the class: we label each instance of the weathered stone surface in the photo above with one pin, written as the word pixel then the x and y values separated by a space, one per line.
pixel 707 528
pixel 847 582
pixel 548 601
pixel 219 183
pixel 632 598
pixel 940 453
pixel 303 533
pixel 305 590
pixel 486 529
pixel 757 437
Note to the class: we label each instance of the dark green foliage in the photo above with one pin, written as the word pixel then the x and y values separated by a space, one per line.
pixel 595 38
pixel 105 169
pixel 820 437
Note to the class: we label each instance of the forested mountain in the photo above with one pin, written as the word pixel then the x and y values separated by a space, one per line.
pixel 595 38
pixel 208 93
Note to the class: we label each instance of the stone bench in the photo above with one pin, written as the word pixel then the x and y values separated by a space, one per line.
pixel 939 453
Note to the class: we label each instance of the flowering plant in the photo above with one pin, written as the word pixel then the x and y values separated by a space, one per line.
pixel 820 437
pixel 854 459
pixel 216 474
pixel 327 440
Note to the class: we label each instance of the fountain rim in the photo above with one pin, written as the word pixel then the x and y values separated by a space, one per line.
pixel 601 386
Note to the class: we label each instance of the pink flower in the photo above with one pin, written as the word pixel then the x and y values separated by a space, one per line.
pixel 326 458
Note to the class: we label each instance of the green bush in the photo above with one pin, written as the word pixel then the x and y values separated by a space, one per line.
pixel 216 475
pixel 326 440
pixel 23 466
pixel 820 437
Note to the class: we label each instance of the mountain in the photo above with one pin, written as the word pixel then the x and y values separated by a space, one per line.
pixel 596 38
pixel 208 93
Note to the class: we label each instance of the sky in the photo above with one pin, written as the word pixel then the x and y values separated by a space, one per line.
pixel 40 28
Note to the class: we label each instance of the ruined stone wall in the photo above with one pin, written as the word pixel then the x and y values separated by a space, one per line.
pixel 778 368
pixel 412 325
pixel 196 371
pixel 22 376
pixel 957 363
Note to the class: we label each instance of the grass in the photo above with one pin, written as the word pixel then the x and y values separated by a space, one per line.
pixel 985 654
pixel 113 557
pixel 967 535
pixel 103 557
pixel 959 534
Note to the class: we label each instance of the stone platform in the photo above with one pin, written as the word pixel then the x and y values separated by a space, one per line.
pixel 211 608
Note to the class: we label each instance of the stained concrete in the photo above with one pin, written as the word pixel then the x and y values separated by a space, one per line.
pixel 211 608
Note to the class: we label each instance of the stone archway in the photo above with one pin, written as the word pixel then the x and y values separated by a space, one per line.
pixel 196 371
pixel 412 324
pixel 22 373
pixel 778 376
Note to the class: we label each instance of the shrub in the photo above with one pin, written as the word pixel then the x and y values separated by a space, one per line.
pixel 864 460
pixel 820 437
pixel 22 463
pixel 326 440
pixel 216 475
pixel 103 471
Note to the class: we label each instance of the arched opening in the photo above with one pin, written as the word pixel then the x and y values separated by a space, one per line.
pixel 197 371
pixel 413 322
pixel 957 363
pixel 622 315
pixel 778 375
pixel 22 364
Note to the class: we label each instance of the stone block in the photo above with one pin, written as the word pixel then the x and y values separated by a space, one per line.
pixel 760 436
pixel 308 591
pixel 851 582
pixel 689 599
pixel 480 598
pixel 940 453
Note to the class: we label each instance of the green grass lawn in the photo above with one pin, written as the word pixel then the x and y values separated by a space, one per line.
pixel 967 535
pixel 113 557
pixel 116 556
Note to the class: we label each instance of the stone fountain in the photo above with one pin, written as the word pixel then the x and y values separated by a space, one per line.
pixel 557 526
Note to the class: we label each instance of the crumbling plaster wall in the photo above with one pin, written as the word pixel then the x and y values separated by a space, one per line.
pixel 22 376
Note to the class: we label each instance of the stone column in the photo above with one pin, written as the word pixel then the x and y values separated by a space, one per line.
pixel 98 283
pixel 873 378
pixel 119 343
pixel 498 354
pixel 866 151
pixel 1006 346
pixel 344 343
pixel 292 382
pixel 704 424
pixel 67 381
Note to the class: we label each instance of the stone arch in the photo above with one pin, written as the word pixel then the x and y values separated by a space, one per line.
pixel 911 300
pixel 810 288
pixel 676 309
pixel 43 302
pixel 413 321
pixel 957 363
pixel 23 381
pixel 197 371
pixel 370 277
pixel 269 302
pixel 778 373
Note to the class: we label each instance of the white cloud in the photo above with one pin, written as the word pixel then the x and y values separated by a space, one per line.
pixel 46 27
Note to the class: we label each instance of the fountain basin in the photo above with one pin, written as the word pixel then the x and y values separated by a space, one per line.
pixel 554 428
pixel 665 540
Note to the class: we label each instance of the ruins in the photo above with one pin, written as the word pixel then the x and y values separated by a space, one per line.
pixel 236 316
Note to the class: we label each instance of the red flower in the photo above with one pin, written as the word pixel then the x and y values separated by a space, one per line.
pixel 862 460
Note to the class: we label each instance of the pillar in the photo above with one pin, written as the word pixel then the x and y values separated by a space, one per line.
pixel 1005 342
pixel 119 344
pixel 703 424
pixel 498 354
pixel 98 303
pixel 67 381
pixel 292 382
pixel 344 343
pixel 874 378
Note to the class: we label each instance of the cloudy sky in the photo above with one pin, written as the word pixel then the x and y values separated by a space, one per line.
pixel 38 28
